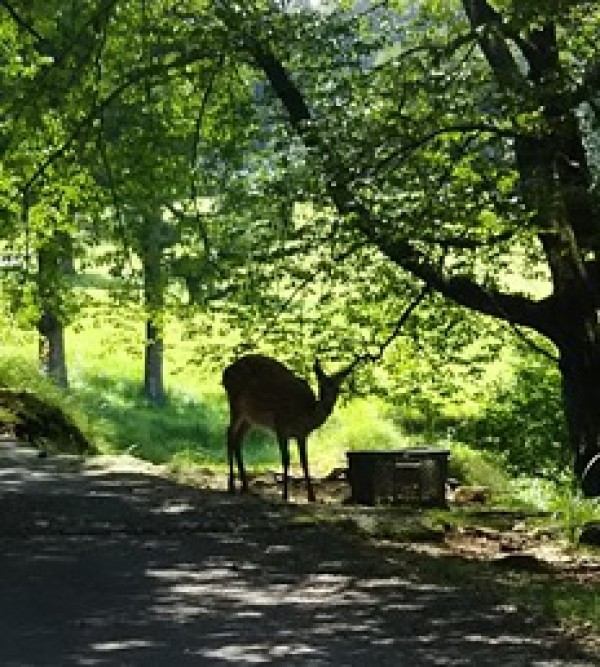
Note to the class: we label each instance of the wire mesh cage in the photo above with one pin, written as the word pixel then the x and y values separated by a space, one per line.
pixel 401 476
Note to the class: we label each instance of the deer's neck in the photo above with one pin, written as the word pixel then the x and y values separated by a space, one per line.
pixel 323 409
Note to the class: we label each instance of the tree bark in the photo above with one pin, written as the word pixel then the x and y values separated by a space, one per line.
pixel 154 285
pixel 581 400
pixel 51 348
pixel 580 372
pixel 555 184
pixel 153 365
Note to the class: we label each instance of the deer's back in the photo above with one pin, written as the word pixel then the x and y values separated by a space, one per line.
pixel 268 394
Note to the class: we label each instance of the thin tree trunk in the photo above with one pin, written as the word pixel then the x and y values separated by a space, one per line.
pixel 51 349
pixel 153 365
pixel 51 346
pixel 154 300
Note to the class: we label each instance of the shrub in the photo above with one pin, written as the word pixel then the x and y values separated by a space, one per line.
pixel 523 421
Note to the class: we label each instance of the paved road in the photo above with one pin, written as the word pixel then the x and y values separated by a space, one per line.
pixel 107 568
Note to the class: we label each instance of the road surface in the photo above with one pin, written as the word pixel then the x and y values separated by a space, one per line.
pixel 122 568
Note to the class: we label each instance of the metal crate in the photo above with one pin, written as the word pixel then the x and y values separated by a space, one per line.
pixel 400 476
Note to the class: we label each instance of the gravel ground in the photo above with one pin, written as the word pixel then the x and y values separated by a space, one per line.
pixel 118 566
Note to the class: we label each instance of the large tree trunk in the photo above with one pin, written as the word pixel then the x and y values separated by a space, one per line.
pixel 556 186
pixel 580 368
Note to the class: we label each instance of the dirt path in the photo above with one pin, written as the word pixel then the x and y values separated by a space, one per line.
pixel 115 567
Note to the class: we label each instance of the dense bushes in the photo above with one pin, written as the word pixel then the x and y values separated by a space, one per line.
pixel 524 420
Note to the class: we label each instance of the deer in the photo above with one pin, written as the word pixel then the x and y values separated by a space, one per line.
pixel 263 392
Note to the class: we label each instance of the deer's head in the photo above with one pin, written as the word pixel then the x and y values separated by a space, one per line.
pixel 329 385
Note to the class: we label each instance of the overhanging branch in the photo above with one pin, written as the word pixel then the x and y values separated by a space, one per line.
pixel 421 141
pixel 396 331
pixel 24 24
pixel 515 309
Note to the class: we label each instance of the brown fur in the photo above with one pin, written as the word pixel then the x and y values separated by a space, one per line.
pixel 263 392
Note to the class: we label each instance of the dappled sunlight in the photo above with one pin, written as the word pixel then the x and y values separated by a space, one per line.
pixel 259 653
pixel 123 645
pixel 103 569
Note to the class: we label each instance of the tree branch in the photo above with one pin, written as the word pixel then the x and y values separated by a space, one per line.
pixel 101 105
pixel 194 156
pixel 463 290
pixel 412 306
pixel 22 23
pixel 419 142
pixel 487 23
pixel 464 243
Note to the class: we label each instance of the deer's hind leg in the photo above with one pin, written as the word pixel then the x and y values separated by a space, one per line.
pixel 284 448
pixel 235 435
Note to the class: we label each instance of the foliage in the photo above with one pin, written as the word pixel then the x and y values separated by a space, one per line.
pixel 38 411
pixel 523 420
pixel 365 424
pixel 573 511
pixel 463 159
pixel 438 142
pixel 470 466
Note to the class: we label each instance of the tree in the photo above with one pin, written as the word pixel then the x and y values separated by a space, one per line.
pixel 51 257
pixel 48 52
pixel 451 138
pixel 469 145
pixel 94 85
pixel 161 141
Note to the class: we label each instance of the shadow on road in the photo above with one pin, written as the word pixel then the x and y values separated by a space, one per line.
pixel 101 569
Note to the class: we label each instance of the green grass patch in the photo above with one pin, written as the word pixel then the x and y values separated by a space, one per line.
pixel 52 419
pixel 127 423
pixel 574 604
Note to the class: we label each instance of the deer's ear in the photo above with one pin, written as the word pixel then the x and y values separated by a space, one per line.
pixel 318 368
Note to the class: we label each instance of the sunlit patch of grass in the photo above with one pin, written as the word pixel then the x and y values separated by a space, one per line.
pixel 357 424
pixel 473 467
pixel 105 362
pixel 365 424
pixel 576 605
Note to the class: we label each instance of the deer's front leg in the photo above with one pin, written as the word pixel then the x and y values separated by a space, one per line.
pixel 284 448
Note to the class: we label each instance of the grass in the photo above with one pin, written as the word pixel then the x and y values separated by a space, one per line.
pixel 568 596
pixel 105 360
pixel 573 604
pixel 104 355
pixel 105 366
